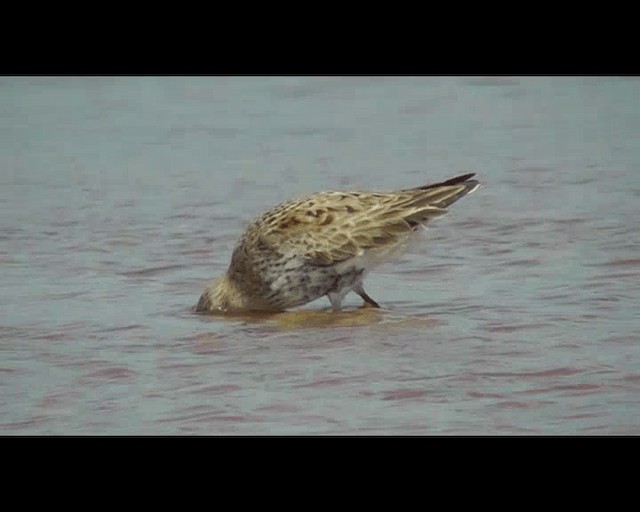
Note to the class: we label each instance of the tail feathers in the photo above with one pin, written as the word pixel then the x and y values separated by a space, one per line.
pixel 452 181
pixel 441 195
pixel 431 201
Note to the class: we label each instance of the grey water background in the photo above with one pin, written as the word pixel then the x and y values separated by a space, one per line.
pixel 121 197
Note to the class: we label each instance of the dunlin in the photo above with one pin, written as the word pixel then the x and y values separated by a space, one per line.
pixel 325 244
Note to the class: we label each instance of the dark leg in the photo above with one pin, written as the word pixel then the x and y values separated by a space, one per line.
pixel 359 289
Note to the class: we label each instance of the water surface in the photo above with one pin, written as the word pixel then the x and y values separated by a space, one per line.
pixel 121 197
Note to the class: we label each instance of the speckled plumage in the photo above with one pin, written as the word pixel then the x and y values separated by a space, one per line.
pixel 325 244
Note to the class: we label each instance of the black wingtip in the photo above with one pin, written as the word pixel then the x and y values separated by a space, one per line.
pixel 460 179
pixel 452 181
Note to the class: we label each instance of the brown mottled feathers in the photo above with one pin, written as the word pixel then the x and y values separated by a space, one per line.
pixel 332 227
pixel 324 245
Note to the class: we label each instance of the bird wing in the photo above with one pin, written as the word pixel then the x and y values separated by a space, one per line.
pixel 331 227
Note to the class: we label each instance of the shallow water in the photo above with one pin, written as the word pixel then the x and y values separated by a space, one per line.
pixel 120 198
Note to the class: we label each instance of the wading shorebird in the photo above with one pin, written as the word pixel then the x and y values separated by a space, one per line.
pixel 325 244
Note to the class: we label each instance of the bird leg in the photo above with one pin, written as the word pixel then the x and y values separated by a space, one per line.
pixel 359 289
